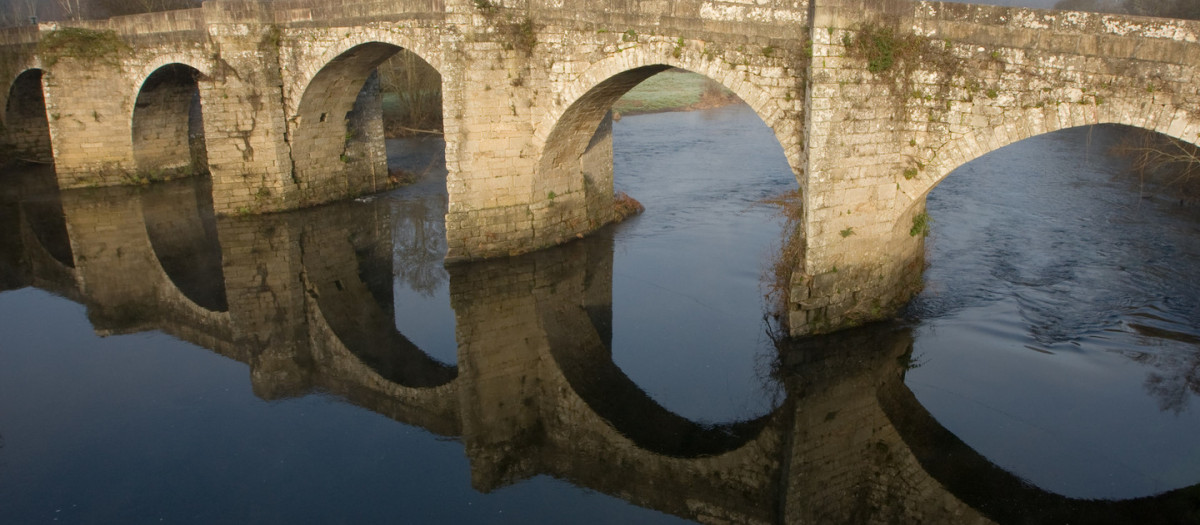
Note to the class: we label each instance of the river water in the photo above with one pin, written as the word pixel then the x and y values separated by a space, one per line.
pixel 157 363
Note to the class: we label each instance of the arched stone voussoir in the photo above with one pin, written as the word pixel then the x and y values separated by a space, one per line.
pixel 309 59
pixel 962 148
pixel 769 103
pixel 145 69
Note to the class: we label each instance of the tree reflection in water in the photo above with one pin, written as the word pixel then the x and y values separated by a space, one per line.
pixel 1177 378
pixel 419 240
pixel 418 214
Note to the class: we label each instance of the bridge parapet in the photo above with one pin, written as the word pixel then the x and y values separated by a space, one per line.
pixel 325 13
pixel 170 25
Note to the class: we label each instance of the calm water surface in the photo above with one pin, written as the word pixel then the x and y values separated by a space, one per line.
pixel 324 365
pixel 1059 331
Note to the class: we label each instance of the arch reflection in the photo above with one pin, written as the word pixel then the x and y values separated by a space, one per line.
pixel 351 278
pixel 535 391
pixel 182 229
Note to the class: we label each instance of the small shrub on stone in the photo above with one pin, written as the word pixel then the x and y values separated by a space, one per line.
pixel 920 225
pixel 882 47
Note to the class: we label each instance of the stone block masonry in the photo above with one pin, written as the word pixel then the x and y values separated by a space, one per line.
pixel 959 81
pixel 289 109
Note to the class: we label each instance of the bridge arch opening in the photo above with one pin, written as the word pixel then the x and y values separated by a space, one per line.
pixel 26 124
pixel 168 124
pixel 366 121
pixel 688 271
pixel 1049 258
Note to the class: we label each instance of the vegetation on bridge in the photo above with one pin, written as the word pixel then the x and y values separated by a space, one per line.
pixel 882 46
pixel 83 44
pixel 777 280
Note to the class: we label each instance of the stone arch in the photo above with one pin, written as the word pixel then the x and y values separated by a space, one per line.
pixel 167 126
pixel 312 66
pixel 629 67
pixel 20 66
pixel 336 129
pixel 149 67
pixel 1173 122
pixel 570 173
pixel 26 126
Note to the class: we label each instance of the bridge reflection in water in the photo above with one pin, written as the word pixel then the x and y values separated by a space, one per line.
pixel 305 299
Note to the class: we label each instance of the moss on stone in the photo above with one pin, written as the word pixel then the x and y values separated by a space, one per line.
pixel 83 44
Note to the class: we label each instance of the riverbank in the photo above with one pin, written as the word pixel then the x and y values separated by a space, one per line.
pixel 673 90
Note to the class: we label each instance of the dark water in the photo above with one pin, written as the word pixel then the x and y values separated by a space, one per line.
pixel 324 366
pixel 1059 328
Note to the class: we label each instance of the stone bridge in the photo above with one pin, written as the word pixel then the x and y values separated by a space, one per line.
pixel 873 103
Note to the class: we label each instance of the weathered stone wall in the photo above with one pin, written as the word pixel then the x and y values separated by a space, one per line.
pixel 972 79
pixel 527 85
pixel 88 108
pixel 244 125
pixel 366 152
pixel 90 98
pixel 596 165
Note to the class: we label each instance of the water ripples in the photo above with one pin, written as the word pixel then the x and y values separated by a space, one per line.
pixel 1052 274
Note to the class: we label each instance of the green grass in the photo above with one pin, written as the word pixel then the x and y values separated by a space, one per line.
pixel 671 90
